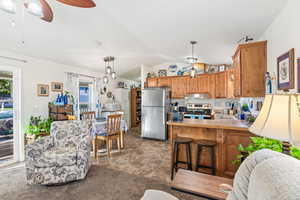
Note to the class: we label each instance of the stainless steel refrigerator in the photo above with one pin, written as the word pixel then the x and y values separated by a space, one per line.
pixel 155 107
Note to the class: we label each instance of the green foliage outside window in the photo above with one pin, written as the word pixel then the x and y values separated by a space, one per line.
pixel 5 87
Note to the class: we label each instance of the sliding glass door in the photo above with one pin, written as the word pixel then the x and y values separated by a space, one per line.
pixel 10 143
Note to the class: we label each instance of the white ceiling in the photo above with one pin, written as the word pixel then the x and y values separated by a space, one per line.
pixel 139 32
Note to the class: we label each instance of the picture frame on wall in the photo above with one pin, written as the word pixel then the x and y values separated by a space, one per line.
pixel 285 70
pixel 57 87
pixel 42 90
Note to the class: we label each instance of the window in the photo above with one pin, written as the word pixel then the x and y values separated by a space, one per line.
pixel 85 96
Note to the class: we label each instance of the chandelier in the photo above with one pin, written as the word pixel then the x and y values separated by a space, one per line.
pixel 109 63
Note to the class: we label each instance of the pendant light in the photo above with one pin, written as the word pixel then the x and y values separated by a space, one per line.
pixel 192 60
pixel 113 74
pixel 108 69
pixel 105 78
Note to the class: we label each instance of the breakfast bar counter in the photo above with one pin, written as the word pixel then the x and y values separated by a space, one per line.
pixel 227 133
pixel 229 124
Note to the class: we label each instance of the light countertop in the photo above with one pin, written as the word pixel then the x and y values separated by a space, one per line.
pixel 230 124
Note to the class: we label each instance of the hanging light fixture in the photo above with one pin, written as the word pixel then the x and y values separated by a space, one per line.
pixel 113 74
pixel 108 68
pixel 192 60
pixel 105 79
pixel 8 6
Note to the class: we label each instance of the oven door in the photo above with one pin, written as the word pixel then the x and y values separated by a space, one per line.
pixel 188 116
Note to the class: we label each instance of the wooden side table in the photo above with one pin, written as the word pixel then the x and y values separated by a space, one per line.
pixel 200 184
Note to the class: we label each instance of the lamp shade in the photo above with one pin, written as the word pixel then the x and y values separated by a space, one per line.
pixel 279 118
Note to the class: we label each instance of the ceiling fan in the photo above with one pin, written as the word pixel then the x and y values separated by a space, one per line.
pixel 41 8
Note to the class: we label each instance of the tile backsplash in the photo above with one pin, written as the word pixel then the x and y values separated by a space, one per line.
pixel 219 104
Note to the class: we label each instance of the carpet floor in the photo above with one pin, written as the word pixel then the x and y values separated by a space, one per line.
pixel 142 165
pixel 100 184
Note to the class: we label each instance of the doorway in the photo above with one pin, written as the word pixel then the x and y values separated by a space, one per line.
pixel 9 115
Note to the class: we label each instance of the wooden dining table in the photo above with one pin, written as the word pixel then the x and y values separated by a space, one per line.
pixel 99 127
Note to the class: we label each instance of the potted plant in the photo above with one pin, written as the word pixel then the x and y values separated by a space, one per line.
pixel 258 143
pixel 37 127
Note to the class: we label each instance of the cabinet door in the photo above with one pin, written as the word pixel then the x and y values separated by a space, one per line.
pixel 253 70
pixel 192 86
pixel 203 83
pixel 221 85
pixel 212 85
pixel 164 82
pixel 230 82
pixel 152 82
pixel 237 74
pixel 229 149
pixel 179 87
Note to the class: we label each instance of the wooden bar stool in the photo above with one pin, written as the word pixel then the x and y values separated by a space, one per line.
pixel 210 145
pixel 175 158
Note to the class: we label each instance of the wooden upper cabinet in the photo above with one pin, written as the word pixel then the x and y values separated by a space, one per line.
pixel 237 74
pixel 212 85
pixel 230 82
pixel 203 83
pixel 221 85
pixel 179 87
pixel 164 82
pixel 152 82
pixel 192 86
pixel 199 84
pixel 250 62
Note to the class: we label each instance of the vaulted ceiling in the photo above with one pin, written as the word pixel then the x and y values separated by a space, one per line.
pixel 138 31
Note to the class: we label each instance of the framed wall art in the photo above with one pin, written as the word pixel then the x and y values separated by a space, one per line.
pixel 42 90
pixel 285 71
pixel 57 87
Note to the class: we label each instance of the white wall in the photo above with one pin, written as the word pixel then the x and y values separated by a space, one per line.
pixel 144 71
pixel 34 72
pixel 283 34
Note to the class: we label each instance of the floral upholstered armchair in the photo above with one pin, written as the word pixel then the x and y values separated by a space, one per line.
pixel 61 157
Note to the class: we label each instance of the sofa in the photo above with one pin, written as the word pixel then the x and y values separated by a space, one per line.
pixel 264 175
pixel 62 157
pixel 267 175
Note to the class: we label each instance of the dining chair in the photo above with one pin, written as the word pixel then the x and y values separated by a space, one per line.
pixel 88 115
pixel 113 132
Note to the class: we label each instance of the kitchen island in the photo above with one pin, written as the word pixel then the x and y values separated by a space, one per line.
pixel 227 133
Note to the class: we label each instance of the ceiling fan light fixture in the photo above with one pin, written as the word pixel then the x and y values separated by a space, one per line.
pixel 8 6
pixel 35 8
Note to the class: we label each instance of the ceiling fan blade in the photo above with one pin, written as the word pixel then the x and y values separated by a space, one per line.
pixel 47 11
pixel 43 10
pixel 79 3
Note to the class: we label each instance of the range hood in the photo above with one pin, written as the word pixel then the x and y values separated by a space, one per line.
pixel 198 96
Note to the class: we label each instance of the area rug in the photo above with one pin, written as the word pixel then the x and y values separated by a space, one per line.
pixel 100 184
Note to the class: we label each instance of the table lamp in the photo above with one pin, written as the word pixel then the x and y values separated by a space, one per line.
pixel 279 119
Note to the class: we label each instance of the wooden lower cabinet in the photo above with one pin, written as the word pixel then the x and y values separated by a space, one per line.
pixel 229 140
pixel 60 112
pixel 226 150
